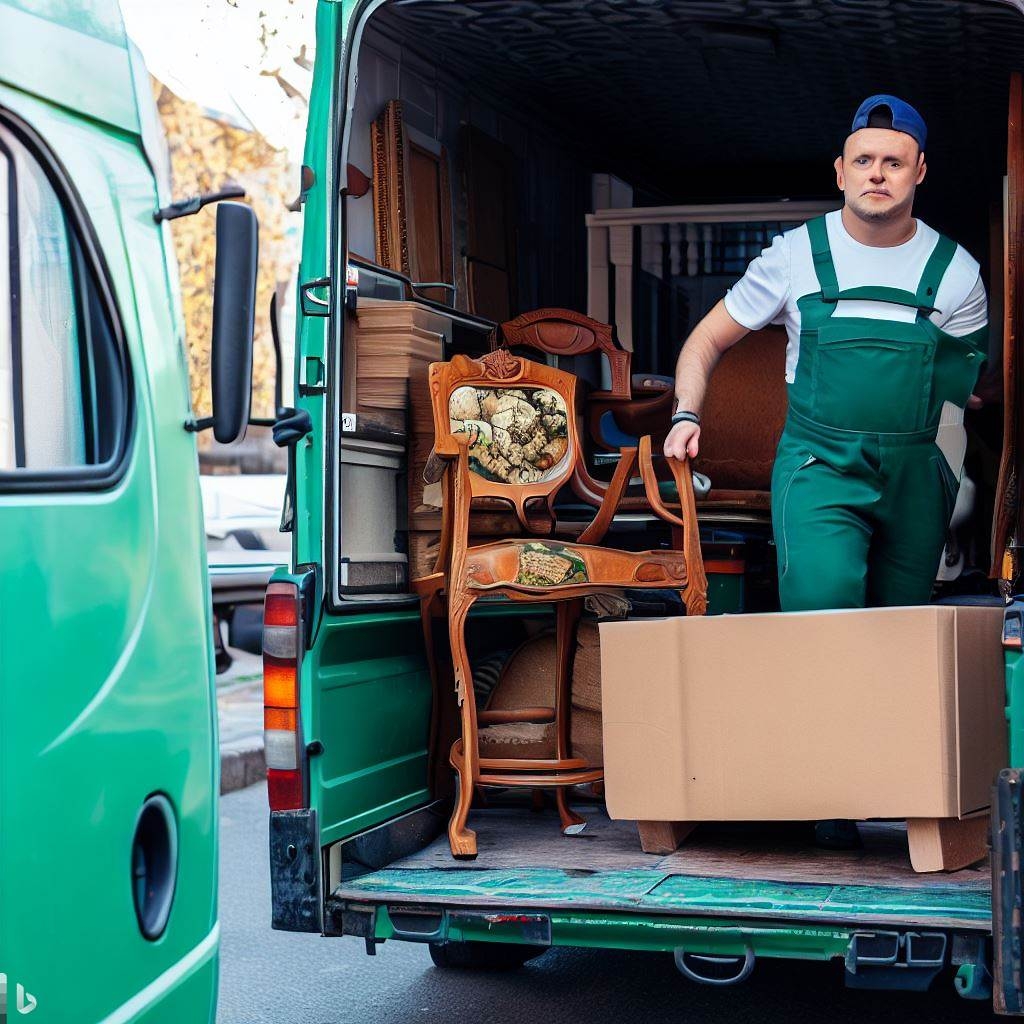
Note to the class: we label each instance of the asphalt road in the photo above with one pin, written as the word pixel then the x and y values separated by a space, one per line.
pixel 282 978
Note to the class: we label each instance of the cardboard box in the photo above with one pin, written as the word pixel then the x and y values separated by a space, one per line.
pixel 870 713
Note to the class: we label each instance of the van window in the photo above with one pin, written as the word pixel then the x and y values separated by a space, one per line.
pixel 62 387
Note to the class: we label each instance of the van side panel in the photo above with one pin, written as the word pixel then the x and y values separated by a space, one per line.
pixel 106 675
pixel 72 55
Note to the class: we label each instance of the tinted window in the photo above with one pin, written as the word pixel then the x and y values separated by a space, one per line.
pixel 62 381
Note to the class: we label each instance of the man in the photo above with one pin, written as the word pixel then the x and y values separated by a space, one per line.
pixel 886 323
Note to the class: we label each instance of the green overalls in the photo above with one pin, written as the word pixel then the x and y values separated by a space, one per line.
pixel 861 493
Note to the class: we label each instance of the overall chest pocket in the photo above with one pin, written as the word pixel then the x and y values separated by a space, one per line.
pixel 872 384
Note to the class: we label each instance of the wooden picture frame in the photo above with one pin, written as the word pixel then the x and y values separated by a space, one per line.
pixel 412 204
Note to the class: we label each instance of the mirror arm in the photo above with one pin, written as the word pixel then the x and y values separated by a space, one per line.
pixel 193 204
pixel 195 426
pixel 291 426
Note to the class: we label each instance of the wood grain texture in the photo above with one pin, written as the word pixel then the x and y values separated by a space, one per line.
pixel 947 844
pixel 564 332
pixel 412 207
pixel 1007 507
pixel 512 837
pixel 663 836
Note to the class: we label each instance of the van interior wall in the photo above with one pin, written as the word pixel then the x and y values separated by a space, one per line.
pixel 698 102
pixel 552 190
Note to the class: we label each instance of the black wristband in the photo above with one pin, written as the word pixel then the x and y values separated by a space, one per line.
pixel 685 416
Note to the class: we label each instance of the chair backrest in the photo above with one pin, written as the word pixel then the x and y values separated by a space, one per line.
pixel 514 416
pixel 744 412
pixel 564 332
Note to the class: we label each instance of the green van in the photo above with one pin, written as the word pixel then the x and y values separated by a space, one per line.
pixel 469 160
pixel 108 731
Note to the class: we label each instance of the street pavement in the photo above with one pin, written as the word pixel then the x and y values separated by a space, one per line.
pixel 240 719
pixel 269 977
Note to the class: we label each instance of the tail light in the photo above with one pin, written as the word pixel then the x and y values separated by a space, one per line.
pixel 282 735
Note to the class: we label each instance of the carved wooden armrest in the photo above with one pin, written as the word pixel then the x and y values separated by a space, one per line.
pixel 611 499
pixel 683 479
pixel 695 592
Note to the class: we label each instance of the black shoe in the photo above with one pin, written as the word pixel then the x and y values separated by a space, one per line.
pixel 837 834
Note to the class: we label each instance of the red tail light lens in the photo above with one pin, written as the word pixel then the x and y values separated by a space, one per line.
pixel 282 734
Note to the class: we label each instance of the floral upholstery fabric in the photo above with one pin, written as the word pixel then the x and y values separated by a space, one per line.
pixel 517 435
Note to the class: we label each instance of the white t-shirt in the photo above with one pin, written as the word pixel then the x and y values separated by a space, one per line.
pixel 784 272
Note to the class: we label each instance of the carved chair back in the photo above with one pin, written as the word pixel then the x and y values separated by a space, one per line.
pixel 564 332
pixel 512 418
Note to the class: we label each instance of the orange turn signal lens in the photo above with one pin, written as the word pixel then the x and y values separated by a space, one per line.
pixel 284 719
pixel 279 685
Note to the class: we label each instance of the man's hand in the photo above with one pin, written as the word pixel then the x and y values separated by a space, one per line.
pixel 682 440
pixel 712 336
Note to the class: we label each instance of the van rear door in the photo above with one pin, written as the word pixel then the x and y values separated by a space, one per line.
pixel 364 689
pixel 1007 806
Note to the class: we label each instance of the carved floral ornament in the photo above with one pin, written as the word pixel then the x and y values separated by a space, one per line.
pixel 502 364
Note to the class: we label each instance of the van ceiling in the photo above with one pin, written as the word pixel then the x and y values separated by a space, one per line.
pixel 753 97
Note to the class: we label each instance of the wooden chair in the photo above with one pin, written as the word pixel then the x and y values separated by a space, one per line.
pixel 632 400
pixel 564 332
pixel 504 428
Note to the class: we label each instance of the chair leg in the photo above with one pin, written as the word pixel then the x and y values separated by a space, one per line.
pixel 566 621
pixel 572 823
pixel 466 760
pixel 462 840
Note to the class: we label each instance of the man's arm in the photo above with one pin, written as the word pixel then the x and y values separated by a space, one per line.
pixel 716 333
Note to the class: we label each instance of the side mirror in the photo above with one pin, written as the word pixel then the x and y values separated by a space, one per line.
pixel 234 307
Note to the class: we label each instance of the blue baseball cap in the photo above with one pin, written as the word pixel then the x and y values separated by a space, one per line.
pixel 904 117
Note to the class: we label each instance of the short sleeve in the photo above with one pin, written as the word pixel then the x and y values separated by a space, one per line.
pixel 971 315
pixel 760 295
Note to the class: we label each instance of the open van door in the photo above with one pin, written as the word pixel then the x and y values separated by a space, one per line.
pixel 1007 805
pixel 1006 532
pixel 348 692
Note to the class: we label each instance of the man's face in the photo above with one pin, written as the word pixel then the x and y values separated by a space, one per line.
pixel 878 172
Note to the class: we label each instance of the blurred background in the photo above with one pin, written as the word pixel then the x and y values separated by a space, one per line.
pixel 231 80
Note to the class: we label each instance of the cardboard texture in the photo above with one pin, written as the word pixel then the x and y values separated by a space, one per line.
pixel 867 713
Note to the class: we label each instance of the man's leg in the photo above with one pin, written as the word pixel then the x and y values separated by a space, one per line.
pixel 912 518
pixel 821 536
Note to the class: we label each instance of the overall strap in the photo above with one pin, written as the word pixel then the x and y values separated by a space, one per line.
pixel 882 293
pixel 934 269
pixel 824 268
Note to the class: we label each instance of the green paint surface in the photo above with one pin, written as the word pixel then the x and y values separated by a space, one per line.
pixel 654 933
pixel 106 674
pixel 646 892
pixel 1015 706
pixel 74 55
pixel 369 699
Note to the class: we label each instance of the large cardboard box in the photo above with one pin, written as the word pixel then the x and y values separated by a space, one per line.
pixel 870 713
